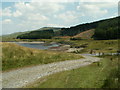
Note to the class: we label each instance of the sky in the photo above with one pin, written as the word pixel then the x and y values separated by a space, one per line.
pixel 27 15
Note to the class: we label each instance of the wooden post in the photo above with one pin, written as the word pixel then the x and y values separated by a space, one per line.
pixel 91 51
pixel 111 59
pixel 99 53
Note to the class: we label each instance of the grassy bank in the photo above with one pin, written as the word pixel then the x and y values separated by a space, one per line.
pixel 15 56
pixel 104 75
pixel 106 46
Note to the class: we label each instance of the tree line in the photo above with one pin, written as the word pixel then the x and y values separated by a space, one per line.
pixel 43 34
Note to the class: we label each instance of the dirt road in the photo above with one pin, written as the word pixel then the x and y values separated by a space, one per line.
pixel 21 77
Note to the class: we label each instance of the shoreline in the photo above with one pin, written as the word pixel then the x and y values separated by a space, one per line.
pixel 27 42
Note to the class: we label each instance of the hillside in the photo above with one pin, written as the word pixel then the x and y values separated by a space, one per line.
pixel 42 33
pixel 104 29
pixel 102 25
pixel 107 30
pixel 111 27
pixel 12 36
pixel 85 35
pixel 46 34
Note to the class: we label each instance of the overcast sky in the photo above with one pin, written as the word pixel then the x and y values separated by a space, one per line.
pixel 26 16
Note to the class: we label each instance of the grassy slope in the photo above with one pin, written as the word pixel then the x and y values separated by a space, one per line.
pixel 83 35
pixel 106 46
pixel 15 56
pixel 92 76
pixel 86 34
pixel 10 37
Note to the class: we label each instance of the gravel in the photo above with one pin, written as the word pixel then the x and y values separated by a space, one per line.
pixel 21 77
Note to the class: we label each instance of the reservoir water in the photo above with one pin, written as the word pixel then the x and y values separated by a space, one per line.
pixel 44 46
pixel 37 45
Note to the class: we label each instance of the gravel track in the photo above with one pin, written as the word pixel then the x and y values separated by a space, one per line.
pixel 24 76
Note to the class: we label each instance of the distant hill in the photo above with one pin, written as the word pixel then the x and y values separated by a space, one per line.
pixel 103 29
pixel 12 36
pixel 47 28
pixel 42 33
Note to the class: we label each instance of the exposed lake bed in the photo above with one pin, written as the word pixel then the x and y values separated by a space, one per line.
pixel 37 45
pixel 55 46
pixel 49 46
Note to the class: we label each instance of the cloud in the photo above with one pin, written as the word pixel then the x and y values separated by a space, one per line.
pixel 39 7
pixel 0 12
pixel 95 9
pixel 105 4
pixel 7 21
pixel 99 0
pixel 7 12
pixel 23 7
pixel 60 0
pixel 28 16
pixel 68 17
pixel 17 13
pixel 36 13
pixel 33 15
pixel 37 17
pixel 55 25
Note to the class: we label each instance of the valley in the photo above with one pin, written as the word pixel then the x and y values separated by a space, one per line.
pixel 82 56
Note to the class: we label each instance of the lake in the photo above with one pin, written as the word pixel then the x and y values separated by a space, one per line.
pixel 37 45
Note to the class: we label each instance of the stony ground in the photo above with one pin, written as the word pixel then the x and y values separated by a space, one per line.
pixel 24 76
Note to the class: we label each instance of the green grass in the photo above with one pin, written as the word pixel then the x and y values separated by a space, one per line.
pixel 15 56
pixel 98 45
pixel 92 76
pixel 106 46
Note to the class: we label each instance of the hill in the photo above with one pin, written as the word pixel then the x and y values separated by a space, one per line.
pixel 103 30
pixel 108 29
pixel 11 37
pixel 42 33
pixel 46 34
pixel 47 28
